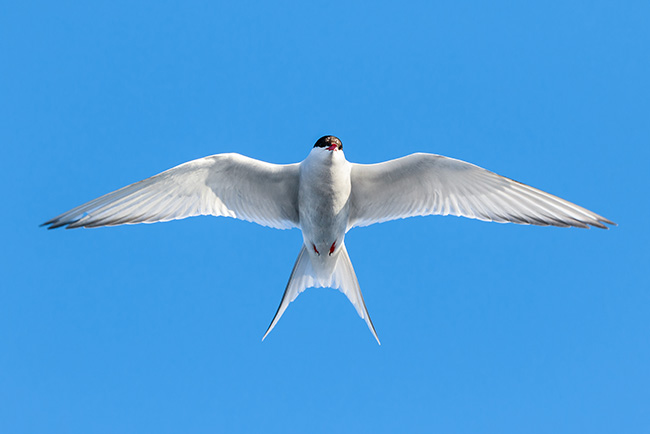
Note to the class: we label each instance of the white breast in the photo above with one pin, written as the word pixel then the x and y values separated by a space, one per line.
pixel 323 199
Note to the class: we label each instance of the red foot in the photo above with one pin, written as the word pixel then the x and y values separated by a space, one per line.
pixel 315 249
pixel 332 248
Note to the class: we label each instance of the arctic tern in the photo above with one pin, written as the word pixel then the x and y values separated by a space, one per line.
pixel 325 196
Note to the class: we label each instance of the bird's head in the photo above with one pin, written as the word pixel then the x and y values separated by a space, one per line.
pixel 330 143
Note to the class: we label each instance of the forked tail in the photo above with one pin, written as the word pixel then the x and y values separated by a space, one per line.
pixel 343 278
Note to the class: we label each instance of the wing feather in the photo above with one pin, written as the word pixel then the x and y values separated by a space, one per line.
pixel 228 185
pixel 425 184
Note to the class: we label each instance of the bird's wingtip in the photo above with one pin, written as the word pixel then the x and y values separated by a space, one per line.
pixel 48 224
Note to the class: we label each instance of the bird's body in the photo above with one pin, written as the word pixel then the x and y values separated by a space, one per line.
pixel 325 196
pixel 323 203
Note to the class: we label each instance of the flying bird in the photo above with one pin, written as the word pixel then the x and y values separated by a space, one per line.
pixel 325 196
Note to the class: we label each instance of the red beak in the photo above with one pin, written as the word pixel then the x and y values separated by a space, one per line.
pixel 333 147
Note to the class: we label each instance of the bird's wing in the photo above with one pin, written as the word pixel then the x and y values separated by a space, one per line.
pixel 425 184
pixel 230 185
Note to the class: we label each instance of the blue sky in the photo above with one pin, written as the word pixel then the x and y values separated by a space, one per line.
pixel 485 328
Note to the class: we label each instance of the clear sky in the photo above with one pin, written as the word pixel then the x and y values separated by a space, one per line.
pixel 485 327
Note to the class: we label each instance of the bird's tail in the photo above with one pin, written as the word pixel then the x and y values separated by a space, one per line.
pixel 343 278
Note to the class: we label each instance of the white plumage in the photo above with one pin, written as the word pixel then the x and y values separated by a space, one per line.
pixel 325 196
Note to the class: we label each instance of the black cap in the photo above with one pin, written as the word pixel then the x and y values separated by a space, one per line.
pixel 327 141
